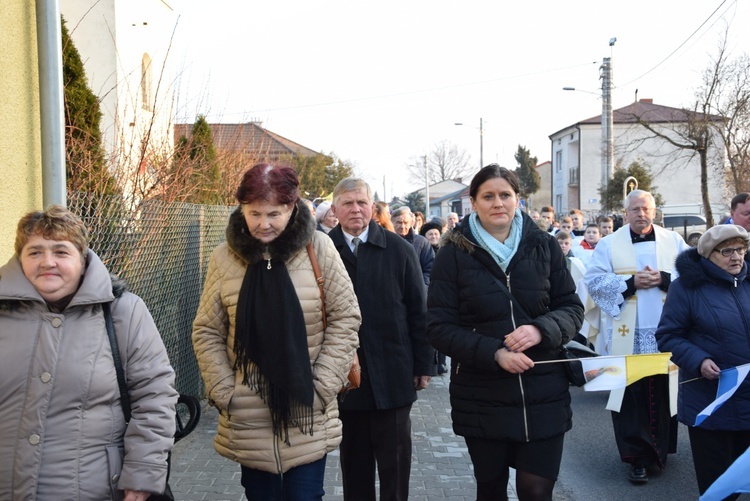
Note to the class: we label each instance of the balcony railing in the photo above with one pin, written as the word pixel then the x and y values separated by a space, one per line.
pixel 574 176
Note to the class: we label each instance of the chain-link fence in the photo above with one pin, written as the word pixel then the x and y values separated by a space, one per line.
pixel 162 252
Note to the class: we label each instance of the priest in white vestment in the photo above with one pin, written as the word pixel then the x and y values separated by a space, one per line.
pixel 627 279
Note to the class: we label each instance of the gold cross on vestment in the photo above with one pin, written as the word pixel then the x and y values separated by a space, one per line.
pixel 623 330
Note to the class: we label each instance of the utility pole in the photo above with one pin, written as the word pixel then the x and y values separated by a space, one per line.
pixel 607 122
pixel 481 143
pixel 426 188
pixel 608 153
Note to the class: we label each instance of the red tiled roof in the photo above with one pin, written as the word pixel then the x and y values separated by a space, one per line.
pixel 647 111
pixel 249 138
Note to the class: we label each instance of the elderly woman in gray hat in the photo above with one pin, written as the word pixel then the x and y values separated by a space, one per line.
pixel 706 325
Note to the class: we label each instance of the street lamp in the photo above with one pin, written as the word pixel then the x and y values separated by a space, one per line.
pixel 580 90
pixel 481 141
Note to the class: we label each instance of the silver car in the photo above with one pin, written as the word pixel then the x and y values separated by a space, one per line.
pixel 689 226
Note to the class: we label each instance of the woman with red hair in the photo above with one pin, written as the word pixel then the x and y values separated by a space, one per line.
pixel 381 214
pixel 274 349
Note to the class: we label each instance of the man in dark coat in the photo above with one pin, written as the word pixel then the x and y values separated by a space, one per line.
pixel 402 220
pixel 396 357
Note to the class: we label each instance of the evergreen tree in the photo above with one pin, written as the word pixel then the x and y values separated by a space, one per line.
pixel 415 201
pixel 205 168
pixel 195 176
pixel 528 177
pixel 612 197
pixel 319 174
pixel 86 164
pixel 336 171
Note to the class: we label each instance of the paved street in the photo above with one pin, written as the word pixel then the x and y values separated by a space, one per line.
pixel 441 469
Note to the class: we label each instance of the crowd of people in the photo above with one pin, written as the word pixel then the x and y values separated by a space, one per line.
pixel 298 292
pixel 624 279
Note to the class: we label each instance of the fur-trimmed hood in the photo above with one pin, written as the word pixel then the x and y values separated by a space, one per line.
pixel 463 239
pixel 696 271
pixel 295 236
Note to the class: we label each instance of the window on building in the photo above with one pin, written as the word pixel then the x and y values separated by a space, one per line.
pixel 558 161
pixel 558 204
pixel 146 83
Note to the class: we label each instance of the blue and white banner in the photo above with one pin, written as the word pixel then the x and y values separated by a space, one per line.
pixel 735 479
pixel 729 381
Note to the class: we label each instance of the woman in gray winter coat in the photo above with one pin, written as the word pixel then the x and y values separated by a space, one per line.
pixel 62 430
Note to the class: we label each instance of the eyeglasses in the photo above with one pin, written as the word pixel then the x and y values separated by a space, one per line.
pixel 728 251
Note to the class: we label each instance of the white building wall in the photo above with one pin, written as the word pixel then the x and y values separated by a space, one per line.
pixel 559 173
pixel 591 171
pixel 676 173
pixel 112 37
pixel 92 27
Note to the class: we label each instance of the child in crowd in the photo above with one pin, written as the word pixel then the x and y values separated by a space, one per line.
pixel 591 237
pixel 566 225
pixel 587 245
pixel 606 226
pixel 576 267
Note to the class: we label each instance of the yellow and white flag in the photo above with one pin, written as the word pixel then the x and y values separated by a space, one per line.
pixel 612 372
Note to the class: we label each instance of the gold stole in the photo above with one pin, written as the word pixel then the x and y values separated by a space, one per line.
pixel 624 264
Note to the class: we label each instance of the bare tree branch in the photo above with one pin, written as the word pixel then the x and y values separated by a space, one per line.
pixel 444 162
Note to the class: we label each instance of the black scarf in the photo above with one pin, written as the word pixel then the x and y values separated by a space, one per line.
pixel 271 346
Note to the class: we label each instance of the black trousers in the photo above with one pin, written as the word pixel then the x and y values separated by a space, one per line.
pixel 714 451
pixel 644 430
pixel 376 437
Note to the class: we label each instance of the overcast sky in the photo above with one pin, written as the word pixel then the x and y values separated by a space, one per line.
pixel 379 83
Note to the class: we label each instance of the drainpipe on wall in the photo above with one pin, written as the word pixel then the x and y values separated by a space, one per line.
pixel 51 101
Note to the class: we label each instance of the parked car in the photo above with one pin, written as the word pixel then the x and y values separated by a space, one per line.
pixel 690 226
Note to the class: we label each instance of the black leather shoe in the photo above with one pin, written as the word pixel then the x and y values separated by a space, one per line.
pixel 638 474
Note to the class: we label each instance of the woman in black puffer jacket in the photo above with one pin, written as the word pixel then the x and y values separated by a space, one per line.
pixel 511 412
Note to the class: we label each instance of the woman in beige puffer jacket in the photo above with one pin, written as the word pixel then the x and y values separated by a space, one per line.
pixel 247 431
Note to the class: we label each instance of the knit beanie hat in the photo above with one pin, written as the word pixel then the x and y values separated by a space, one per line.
pixel 430 225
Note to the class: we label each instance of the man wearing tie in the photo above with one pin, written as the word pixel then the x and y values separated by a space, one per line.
pixel 396 357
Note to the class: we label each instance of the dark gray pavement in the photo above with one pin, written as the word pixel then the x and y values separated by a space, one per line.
pixel 441 468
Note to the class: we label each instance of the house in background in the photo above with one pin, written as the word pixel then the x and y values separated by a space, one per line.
pixel 544 195
pixel 240 146
pixel 445 197
pixel 248 143
pixel 577 159
pixel 125 46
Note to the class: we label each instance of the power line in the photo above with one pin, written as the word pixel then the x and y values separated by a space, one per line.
pixel 412 92
pixel 680 46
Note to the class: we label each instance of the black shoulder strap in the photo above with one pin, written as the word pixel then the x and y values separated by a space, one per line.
pixel 124 395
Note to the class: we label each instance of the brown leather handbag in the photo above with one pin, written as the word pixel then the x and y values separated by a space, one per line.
pixel 355 373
